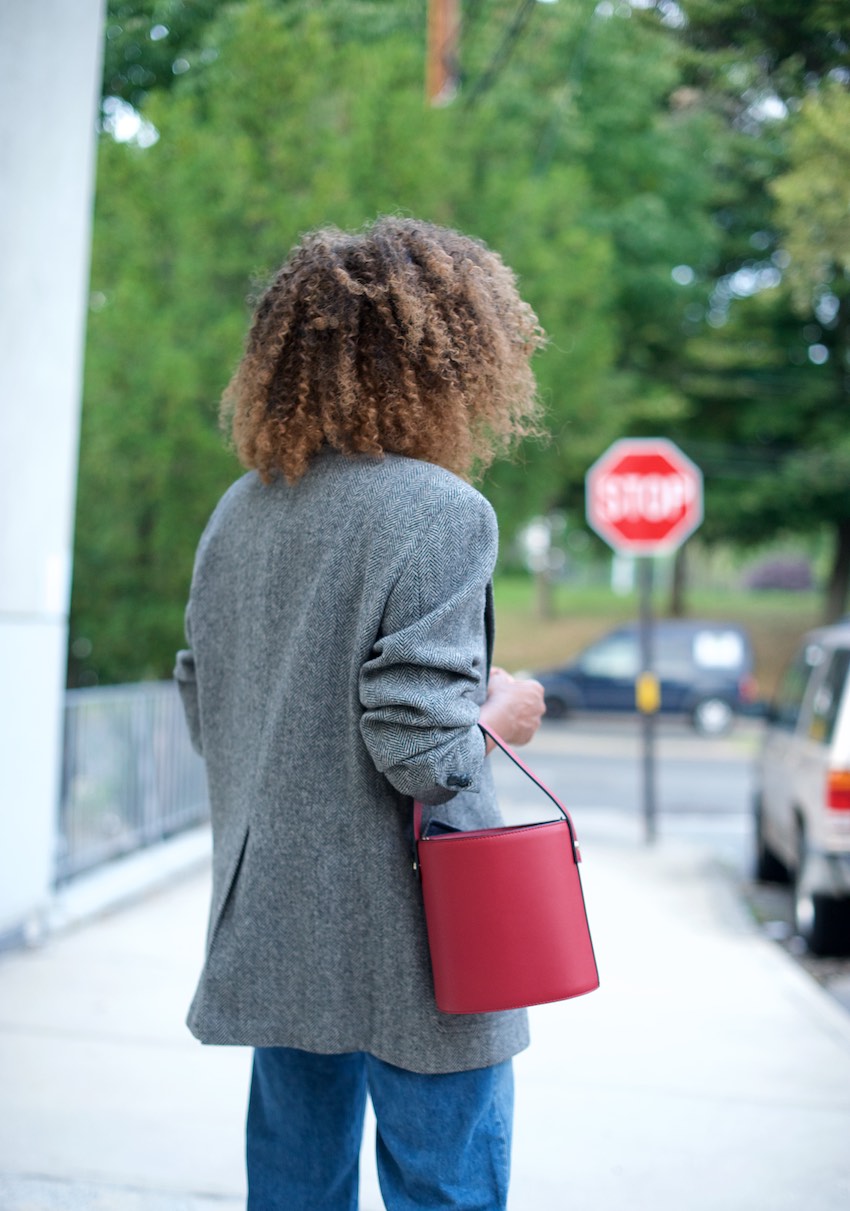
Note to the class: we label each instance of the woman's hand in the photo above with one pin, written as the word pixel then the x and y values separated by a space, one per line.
pixel 513 709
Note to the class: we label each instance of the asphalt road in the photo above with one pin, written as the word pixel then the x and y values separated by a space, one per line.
pixel 703 786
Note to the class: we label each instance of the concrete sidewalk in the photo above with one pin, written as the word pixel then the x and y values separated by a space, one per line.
pixel 707 1072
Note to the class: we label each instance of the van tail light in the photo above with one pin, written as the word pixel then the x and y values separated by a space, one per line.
pixel 748 688
pixel 838 790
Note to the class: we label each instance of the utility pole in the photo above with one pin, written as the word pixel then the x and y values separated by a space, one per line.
pixel 442 68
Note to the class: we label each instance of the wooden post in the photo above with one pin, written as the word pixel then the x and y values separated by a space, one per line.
pixel 441 78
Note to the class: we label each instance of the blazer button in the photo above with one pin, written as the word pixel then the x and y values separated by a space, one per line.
pixel 458 781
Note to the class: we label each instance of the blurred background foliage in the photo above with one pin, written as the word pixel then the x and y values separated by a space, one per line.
pixel 669 181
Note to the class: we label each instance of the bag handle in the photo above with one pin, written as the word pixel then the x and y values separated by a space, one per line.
pixel 509 752
pixel 518 761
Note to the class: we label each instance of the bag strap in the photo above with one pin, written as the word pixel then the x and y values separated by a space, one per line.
pixel 509 752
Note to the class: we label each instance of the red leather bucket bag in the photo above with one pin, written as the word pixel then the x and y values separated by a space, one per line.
pixel 505 913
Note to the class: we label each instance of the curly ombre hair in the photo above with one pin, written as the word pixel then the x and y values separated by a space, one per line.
pixel 404 338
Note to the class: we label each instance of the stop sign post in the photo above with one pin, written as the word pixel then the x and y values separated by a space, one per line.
pixel 644 497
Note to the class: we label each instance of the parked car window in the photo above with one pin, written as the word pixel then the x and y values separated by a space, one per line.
pixel 828 698
pixel 719 649
pixel 673 657
pixel 678 653
pixel 615 657
pixel 792 687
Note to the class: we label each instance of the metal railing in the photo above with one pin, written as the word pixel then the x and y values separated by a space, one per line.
pixel 130 777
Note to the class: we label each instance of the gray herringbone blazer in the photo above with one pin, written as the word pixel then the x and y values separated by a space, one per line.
pixel 338 657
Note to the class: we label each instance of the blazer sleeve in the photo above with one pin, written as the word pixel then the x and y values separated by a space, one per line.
pixel 187 684
pixel 420 690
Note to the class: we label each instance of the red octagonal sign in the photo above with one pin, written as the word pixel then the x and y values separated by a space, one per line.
pixel 644 496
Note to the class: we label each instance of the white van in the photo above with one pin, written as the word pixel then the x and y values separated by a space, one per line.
pixel 802 800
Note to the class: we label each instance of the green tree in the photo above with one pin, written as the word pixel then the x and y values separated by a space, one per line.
pixel 616 189
pixel 295 114
pixel 813 215
pixel 814 198
pixel 765 368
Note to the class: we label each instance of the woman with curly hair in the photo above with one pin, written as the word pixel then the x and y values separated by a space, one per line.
pixel 340 631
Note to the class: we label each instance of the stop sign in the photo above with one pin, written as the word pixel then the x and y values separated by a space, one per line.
pixel 644 496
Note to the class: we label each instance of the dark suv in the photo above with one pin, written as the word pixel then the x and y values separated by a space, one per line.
pixel 705 670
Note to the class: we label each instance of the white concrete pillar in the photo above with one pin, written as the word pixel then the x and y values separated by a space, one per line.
pixel 50 61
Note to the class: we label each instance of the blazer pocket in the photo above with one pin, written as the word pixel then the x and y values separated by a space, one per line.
pixel 228 892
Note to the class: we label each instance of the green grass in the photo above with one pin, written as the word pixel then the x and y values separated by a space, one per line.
pixel 524 640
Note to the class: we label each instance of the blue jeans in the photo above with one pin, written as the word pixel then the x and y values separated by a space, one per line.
pixel 442 1141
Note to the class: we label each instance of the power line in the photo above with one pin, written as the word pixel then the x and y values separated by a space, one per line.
pixel 503 52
